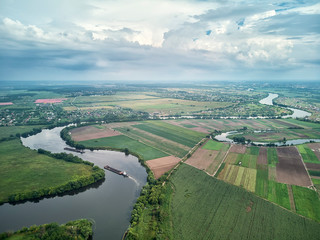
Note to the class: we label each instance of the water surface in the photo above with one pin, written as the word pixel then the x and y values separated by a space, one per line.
pixel 107 203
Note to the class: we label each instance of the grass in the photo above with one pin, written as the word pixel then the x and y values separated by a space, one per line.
pixel 155 141
pixel 307 202
pixel 122 142
pixel 203 207
pixel 174 133
pixel 213 145
pixel 314 173
pixel 6 132
pixel 278 193
pixel 307 154
pixel 189 125
pixel 24 170
pixel 247 160
pixel 239 176
pixel 262 181
pixel 272 156
pixel 315 181
pixel 253 150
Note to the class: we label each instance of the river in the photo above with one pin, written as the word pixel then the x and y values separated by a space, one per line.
pixel 108 203
pixel 224 137
pixel 297 113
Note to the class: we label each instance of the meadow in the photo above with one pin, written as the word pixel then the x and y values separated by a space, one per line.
pixel 12 131
pixel 145 101
pixel 174 133
pixel 261 130
pixel 23 171
pixel 155 141
pixel 307 154
pixel 122 142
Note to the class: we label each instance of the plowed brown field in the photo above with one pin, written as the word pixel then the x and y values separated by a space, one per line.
pixel 202 158
pixel 237 148
pixel 290 168
pixel 162 165
pixel 262 158
pixel 313 166
pixel 90 132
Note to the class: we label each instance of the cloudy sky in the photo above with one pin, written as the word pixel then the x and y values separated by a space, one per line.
pixel 159 40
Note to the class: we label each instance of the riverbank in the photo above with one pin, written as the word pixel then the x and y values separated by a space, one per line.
pixel 42 175
pixel 79 229
pixel 114 197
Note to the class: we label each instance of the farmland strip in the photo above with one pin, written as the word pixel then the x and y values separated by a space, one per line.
pixel 291 198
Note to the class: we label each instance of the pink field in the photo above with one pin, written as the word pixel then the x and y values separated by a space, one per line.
pixel 53 100
pixel 5 103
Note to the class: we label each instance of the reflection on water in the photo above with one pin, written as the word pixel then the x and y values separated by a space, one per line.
pixel 269 100
pixel 108 202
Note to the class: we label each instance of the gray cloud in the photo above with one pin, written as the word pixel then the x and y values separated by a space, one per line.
pixel 191 40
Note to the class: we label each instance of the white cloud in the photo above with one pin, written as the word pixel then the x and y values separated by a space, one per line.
pixel 177 37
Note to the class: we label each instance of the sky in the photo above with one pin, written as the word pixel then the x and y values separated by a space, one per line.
pixel 159 40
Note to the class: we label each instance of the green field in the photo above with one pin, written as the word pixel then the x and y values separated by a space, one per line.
pixel 314 173
pixel 144 101
pixel 307 202
pixel 239 176
pixel 122 142
pixel 213 145
pixel 23 170
pixel 262 181
pixel 6 132
pixel 278 193
pixel 203 207
pixel 247 160
pixel 174 133
pixel 307 154
pixel 272 156
pixel 151 140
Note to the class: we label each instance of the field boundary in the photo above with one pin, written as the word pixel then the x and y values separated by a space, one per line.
pixel 291 199
pixel 224 158
pixel 144 143
pixel 305 167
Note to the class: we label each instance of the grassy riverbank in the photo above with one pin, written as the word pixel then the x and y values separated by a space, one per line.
pixel 79 229
pixel 25 174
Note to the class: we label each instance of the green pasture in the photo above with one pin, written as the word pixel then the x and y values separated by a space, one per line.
pixel 149 139
pixel 174 133
pixel 203 207
pixel 6 132
pixel 272 156
pixel 122 142
pixel 307 154
pixel 278 193
pixel 262 181
pixel 189 125
pixel 213 145
pixel 247 160
pixel 307 202
pixel 24 170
